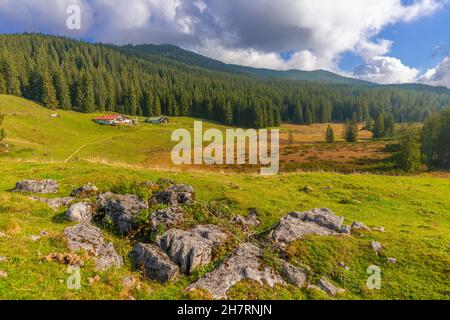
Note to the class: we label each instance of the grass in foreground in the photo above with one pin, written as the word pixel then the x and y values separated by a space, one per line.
pixel 413 210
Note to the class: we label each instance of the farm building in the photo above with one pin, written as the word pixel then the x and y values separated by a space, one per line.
pixel 158 120
pixel 113 120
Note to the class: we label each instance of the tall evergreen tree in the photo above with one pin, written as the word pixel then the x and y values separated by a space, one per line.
pixel 409 156
pixel 351 131
pixel 329 135
pixel 378 128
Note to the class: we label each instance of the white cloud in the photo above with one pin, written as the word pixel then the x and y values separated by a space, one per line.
pixel 439 76
pixel 386 70
pixel 250 32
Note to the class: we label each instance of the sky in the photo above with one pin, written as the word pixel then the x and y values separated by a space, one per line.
pixel 384 41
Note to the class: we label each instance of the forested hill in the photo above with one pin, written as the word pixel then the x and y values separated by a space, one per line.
pixel 178 54
pixel 62 73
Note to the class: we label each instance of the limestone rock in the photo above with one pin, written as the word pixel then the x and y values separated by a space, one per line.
pixel 193 248
pixel 296 225
pixel 176 195
pixel 244 263
pixel 376 246
pixel 392 260
pixel 359 226
pixel 169 217
pixel 154 262
pixel 3 274
pixel 79 212
pixel 379 229
pixel 294 275
pixel 103 198
pixel 37 186
pixel 89 238
pixel 123 210
pixel 328 287
pixel 250 221
pixel 3 259
pixel 84 191
pixel 55 203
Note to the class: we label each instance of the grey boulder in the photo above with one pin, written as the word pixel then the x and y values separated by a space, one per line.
pixel 84 191
pixel 294 275
pixel 169 217
pixel 244 263
pixel 37 186
pixel 359 226
pixel 328 287
pixel 89 238
pixel 193 248
pixel 154 262
pixel 79 212
pixel 297 225
pixel 123 210
pixel 55 203
pixel 176 195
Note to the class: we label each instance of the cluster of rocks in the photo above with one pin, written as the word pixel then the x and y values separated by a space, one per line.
pixel 179 251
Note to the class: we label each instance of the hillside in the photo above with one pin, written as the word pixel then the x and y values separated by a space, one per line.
pixel 180 55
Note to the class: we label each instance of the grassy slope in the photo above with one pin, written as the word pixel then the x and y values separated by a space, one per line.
pixel 414 211
pixel 38 137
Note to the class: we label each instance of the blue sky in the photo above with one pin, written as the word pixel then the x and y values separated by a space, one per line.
pixel 385 41
pixel 421 44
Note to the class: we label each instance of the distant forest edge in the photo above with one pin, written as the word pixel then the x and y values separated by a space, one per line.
pixel 63 73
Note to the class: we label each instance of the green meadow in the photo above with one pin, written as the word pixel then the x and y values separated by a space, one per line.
pixel 414 210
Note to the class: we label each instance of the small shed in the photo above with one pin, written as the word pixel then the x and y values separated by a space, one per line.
pixel 158 120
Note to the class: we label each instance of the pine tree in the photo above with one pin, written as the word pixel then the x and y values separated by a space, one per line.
pixel 378 128
pixel 48 92
pixel 329 135
pixel 62 90
pixel 351 131
pixel 389 125
pixel 409 156
pixel 430 140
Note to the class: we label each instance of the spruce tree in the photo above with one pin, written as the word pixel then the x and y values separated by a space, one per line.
pixel 48 92
pixel 378 128
pixel 329 135
pixel 409 156
pixel 351 131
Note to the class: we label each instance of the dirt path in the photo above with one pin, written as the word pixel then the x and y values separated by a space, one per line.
pixel 76 151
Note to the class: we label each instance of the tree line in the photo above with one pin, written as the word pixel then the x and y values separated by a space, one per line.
pixel 62 73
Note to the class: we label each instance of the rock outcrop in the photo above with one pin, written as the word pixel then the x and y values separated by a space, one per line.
pixel 193 248
pixel 328 287
pixel 86 191
pixel 244 263
pixel 80 212
pixel 296 225
pixel 55 203
pixel 37 186
pixel 294 275
pixel 89 238
pixel 154 262
pixel 176 195
pixel 359 226
pixel 123 210
pixel 250 221
pixel 168 218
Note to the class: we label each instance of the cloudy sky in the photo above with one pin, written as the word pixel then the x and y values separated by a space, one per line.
pixel 385 41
